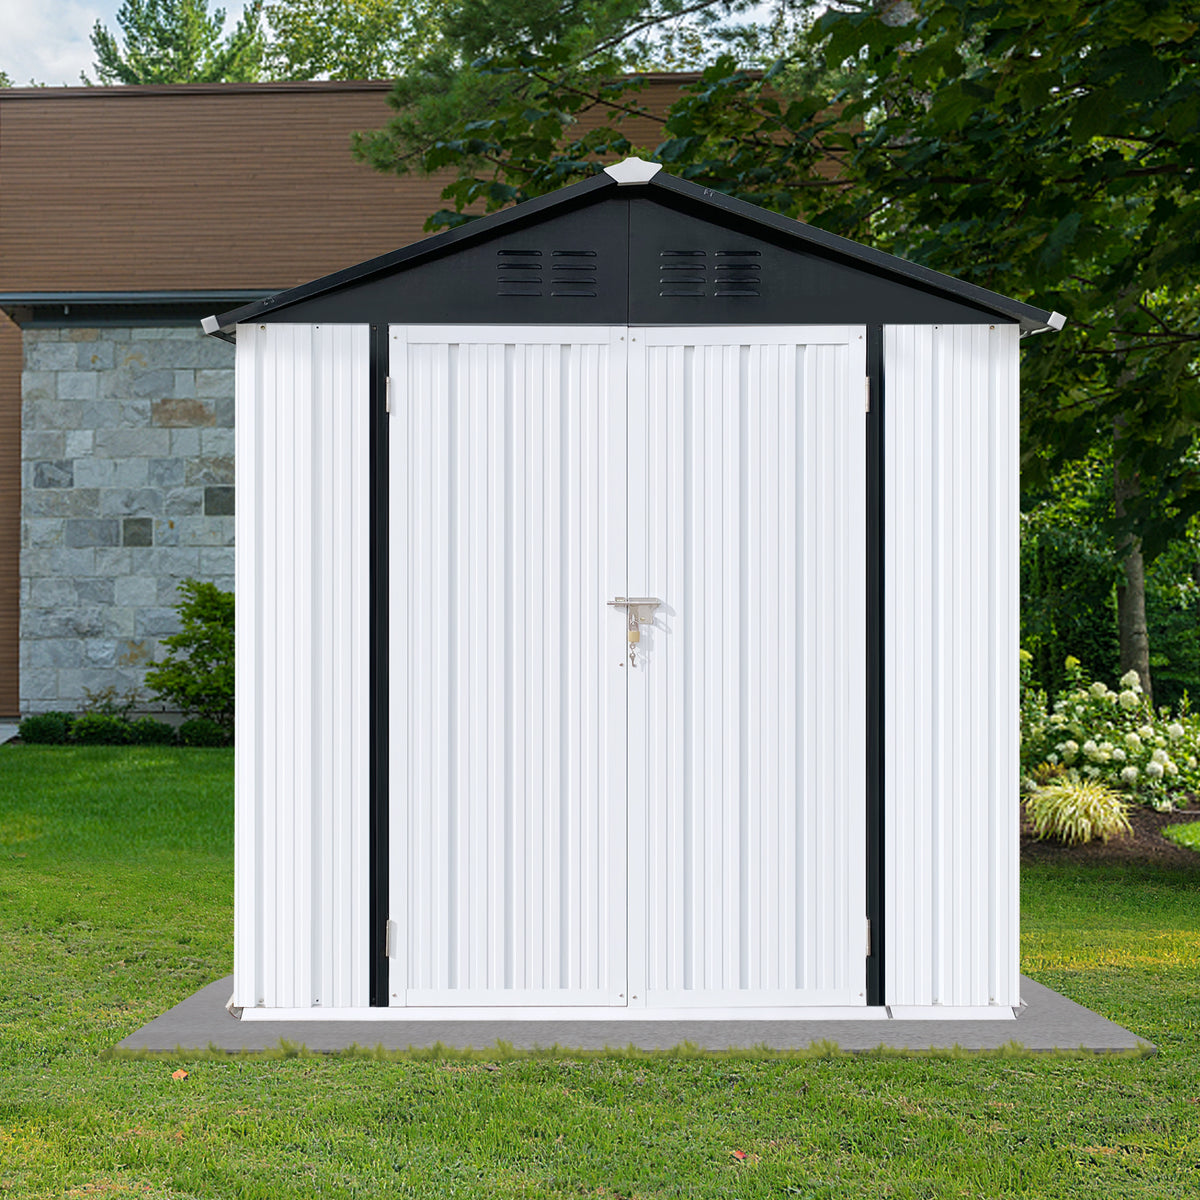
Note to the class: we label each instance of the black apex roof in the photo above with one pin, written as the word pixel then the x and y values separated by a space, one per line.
pixel 649 181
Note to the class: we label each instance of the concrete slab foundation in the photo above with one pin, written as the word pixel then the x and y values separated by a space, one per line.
pixel 1047 1022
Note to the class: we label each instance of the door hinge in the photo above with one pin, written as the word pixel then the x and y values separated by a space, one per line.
pixel 390 930
pixel 868 937
pixel 867 391
pixel 387 394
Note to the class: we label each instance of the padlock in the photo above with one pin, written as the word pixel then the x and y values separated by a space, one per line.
pixel 634 634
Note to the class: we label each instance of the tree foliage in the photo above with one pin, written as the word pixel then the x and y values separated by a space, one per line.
pixel 349 39
pixel 500 95
pixel 197 674
pixel 1047 152
pixel 178 41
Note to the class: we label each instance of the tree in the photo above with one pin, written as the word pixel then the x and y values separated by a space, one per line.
pixel 4 80
pixel 1048 152
pixel 499 92
pixel 350 39
pixel 1055 153
pixel 177 41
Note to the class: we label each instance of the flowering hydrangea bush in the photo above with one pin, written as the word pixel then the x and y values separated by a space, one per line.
pixel 1115 737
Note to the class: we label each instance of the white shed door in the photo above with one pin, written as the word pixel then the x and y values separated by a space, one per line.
pixel 507 776
pixel 568 828
pixel 747 801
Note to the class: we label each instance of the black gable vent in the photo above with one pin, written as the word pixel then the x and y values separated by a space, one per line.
pixel 682 273
pixel 738 274
pixel 518 273
pixel 573 273
pixel 569 273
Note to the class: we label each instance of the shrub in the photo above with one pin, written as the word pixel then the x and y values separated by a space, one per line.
pixel 110 702
pixel 45 729
pixel 100 729
pixel 1077 810
pixel 146 731
pixel 1113 737
pixel 197 675
pixel 200 731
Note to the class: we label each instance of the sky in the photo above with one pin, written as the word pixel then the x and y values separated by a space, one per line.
pixel 48 41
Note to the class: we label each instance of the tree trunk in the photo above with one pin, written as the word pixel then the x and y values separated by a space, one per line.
pixel 1131 595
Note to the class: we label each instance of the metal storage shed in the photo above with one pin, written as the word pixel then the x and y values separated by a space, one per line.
pixel 627 623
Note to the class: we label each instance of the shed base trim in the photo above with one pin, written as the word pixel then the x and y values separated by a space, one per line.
pixel 564 1013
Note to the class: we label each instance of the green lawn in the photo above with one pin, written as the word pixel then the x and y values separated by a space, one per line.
pixel 1186 835
pixel 115 903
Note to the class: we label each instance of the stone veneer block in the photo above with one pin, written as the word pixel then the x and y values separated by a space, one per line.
pixel 177 413
pixel 218 501
pixel 93 531
pixel 137 531
pixel 59 474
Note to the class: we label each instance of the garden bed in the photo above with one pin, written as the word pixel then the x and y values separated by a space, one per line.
pixel 1145 844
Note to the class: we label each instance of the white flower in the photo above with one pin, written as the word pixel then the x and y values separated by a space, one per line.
pixel 1154 769
pixel 1070 748
pixel 1119 754
pixel 1128 700
pixel 1160 756
pixel 1191 764
pixel 1129 775
pixel 1092 771
pixel 1133 741
pixel 1146 731
pixel 1090 748
pixel 1175 730
pixel 1170 768
pixel 1052 758
pixel 1058 718
pixel 1160 741
pixel 1099 691
pixel 1131 680
pixel 1106 747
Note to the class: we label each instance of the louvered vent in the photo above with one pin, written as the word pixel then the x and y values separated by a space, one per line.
pixel 573 273
pixel 519 273
pixel 522 273
pixel 737 274
pixel 682 273
pixel 688 273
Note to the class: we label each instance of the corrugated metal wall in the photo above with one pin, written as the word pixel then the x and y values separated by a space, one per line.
pixel 950 645
pixel 302 666
pixel 747 767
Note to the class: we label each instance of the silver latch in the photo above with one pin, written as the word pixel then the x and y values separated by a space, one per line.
pixel 639 611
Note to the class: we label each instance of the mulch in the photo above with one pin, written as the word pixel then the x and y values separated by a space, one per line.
pixel 1145 845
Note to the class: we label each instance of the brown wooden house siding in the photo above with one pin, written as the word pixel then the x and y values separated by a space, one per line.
pixel 206 186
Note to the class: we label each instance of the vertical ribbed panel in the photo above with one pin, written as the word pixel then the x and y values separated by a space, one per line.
pixel 507 785
pixel 950 662
pixel 303 435
pixel 747 760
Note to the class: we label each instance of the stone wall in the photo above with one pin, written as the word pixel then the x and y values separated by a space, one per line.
pixel 127 488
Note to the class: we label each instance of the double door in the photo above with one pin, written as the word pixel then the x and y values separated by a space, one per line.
pixel 573 824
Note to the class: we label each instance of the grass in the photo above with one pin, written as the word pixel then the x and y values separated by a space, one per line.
pixel 1186 835
pixel 115 902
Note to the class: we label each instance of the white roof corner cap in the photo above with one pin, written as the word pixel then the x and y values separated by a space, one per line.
pixel 633 170
pixel 210 324
pixel 1056 321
